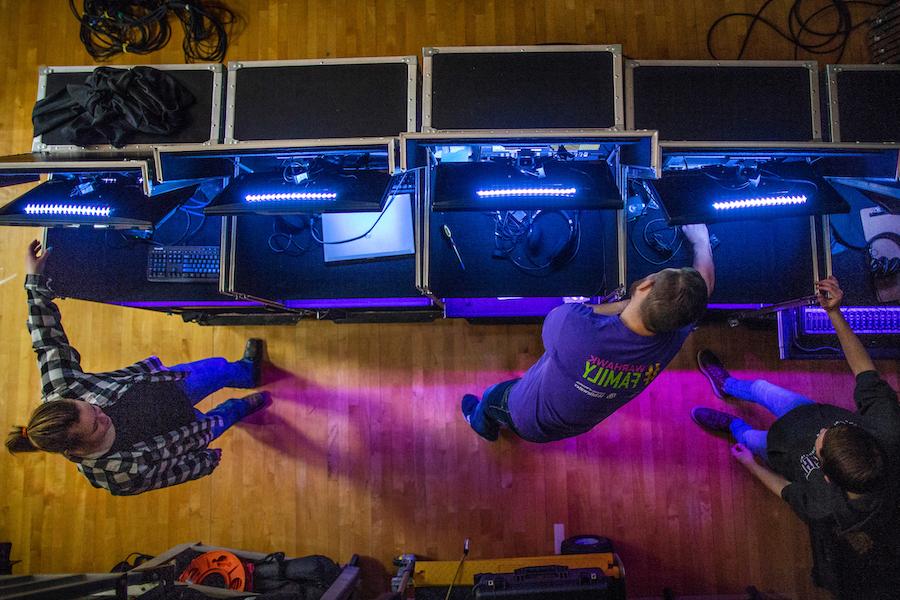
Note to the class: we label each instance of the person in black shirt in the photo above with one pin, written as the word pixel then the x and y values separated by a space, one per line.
pixel 836 468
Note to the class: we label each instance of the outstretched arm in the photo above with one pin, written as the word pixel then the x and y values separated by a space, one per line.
pixel 59 362
pixel 610 308
pixel 698 236
pixel 830 296
pixel 772 480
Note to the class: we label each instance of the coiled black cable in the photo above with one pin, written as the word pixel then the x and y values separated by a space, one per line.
pixel 112 27
pixel 799 30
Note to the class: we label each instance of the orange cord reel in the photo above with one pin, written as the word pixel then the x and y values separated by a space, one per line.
pixel 218 569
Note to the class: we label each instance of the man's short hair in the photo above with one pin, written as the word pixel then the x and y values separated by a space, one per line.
pixel 852 458
pixel 678 298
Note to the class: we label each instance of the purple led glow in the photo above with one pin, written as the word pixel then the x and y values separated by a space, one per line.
pixel 530 307
pixel 499 307
pixel 735 306
pixel 189 304
pixel 69 210
pixel 759 202
pixel 326 303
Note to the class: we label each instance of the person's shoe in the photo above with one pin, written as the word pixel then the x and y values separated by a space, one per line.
pixel 715 371
pixel 255 402
pixel 254 352
pixel 469 404
pixel 712 419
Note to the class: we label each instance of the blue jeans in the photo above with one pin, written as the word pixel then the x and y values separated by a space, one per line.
pixel 775 399
pixel 210 375
pixel 493 410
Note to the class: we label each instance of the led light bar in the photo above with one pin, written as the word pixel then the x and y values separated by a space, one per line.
pixel 290 196
pixel 79 210
pixel 757 202
pixel 506 193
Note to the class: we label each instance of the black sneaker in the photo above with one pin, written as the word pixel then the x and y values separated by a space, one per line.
pixel 255 402
pixel 715 371
pixel 254 352
pixel 469 403
pixel 712 419
pixel 488 430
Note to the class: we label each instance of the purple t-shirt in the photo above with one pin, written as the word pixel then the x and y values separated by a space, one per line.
pixel 592 365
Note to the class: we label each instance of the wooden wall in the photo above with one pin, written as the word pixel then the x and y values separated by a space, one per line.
pixel 364 450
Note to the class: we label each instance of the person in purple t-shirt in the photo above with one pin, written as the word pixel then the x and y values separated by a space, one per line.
pixel 599 357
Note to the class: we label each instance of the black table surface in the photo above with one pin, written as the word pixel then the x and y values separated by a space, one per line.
pixel 103 265
pixel 592 271
pixel 303 274
pixel 757 262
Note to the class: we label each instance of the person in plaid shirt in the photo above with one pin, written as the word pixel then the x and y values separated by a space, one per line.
pixel 135 429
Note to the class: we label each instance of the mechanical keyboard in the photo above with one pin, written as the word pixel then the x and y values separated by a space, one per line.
pixel 183 264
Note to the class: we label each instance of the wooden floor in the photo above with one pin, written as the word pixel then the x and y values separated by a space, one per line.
pixel 364 450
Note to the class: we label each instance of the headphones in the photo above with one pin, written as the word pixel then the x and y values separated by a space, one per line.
pixel 883 266
pixel 561 252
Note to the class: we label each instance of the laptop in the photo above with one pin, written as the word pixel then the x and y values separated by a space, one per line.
pixel 391 236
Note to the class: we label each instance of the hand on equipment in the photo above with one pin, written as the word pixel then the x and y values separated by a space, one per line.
pixel 830 293
pixel 35 259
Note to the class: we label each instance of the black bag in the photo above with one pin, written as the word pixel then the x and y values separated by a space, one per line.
pixel 308 577
pixel 112 104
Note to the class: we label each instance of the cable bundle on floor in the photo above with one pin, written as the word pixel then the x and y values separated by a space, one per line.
pixel 804 29
pixel 884 35
pixel 111 27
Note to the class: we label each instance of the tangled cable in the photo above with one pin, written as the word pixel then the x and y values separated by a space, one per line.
pixel 511 233
pixel 800 30
pixel 111 27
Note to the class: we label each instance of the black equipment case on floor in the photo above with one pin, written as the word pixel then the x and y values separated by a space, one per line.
pixel 547 583
pixel 522 87
pixel 767 257
pixel 459 256
pixel 863 103
pixel 270 253
pixel 203 122
pixel 724 100
pixel 758 262
pixel 321 98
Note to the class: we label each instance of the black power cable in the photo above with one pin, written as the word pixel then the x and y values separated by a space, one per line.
pixel 111 27
pixel 799 30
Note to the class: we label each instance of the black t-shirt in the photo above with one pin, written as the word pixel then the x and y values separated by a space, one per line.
pixel 791 450
pixel 147 410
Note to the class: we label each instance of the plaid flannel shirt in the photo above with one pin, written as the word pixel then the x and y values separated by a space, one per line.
pixel 168 459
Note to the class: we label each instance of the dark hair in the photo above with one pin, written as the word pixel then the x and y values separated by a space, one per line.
pixel 678 298
pixel 852 459
pixel 47 430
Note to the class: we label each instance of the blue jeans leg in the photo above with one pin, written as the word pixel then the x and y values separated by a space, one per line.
pixel 753 439
pixel 209 375
pixel 777 400
pixel 231 411
pixel 493 408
